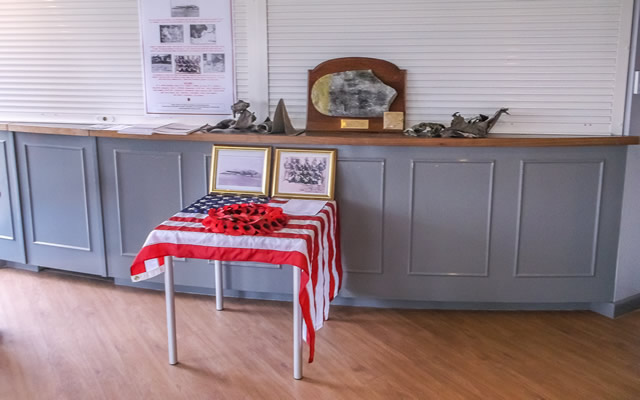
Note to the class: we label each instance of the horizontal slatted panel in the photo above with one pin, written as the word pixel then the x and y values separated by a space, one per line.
pixel 74 61
pixel 240 28
pixel 556 65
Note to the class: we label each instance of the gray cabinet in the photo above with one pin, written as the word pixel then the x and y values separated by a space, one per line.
pixel 11 236
pixel 534 225
pixel 491 225
pixel 449 225
pixel 62 215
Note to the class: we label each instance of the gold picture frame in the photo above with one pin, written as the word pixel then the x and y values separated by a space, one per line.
pixel 241 174
pixel 310 173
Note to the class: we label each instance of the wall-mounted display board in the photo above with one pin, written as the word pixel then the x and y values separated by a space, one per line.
pixel 356 94
pixel 187 48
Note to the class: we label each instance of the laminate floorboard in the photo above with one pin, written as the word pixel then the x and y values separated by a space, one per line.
pixel 67 337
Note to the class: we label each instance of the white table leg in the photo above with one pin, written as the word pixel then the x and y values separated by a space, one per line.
pixel 297 326
pixel 219 294
pixel 171 310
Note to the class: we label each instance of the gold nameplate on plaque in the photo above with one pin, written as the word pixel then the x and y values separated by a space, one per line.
pixel 393 121
pixel 354 124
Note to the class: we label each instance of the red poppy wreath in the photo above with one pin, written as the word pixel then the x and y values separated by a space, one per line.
pixel 245 219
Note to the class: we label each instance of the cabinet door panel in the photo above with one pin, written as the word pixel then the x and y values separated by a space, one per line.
pixel 11 236
pixel 61 199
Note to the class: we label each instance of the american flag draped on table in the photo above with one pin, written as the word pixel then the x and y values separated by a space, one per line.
pixel 311 243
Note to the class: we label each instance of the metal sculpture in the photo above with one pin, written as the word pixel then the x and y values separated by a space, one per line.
pixel 245 121
pixel 476 127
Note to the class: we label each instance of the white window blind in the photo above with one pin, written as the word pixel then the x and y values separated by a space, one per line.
pixel 80 60
pixel 560 66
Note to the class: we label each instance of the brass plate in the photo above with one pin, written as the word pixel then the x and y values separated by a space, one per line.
pixel 393 121
pixel 354 124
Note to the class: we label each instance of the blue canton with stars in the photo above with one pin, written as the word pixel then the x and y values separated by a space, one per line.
pixel 216 200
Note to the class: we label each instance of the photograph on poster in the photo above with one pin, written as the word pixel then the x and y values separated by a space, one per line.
pixel 203 33
pixel 161 63
pixel 240 169
pixel 171 34
pixel 212 63
pixel 185 8
pixel 188 65
pixel 304 173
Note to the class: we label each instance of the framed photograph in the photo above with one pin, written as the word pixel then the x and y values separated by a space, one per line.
pixel 304 173
pixel 242 170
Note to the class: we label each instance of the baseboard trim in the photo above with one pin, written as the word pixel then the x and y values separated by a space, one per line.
pixel 460 305
pixel 617 308
pixel 26 267
pixel 373 303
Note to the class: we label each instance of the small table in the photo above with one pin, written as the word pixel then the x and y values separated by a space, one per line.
pixel 310 243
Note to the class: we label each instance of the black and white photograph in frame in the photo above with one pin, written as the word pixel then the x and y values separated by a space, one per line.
pixel 171 34
pixel 161 63
pixel 188 64
pixel 304 173
pixel 185 8
pixel 202 33
pixel 212 63
pixel 243 170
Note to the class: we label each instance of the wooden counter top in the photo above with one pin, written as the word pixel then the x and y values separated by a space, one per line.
pixel 385 139
pixel 336 139
pixel 50 129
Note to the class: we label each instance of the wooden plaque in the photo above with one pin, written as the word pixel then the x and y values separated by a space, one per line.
pixel 387 72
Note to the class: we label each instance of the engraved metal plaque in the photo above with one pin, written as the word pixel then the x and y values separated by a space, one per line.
pixel 354 124
pixel 393 121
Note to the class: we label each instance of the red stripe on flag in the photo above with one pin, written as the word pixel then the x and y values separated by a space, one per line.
pixel 336 238
pixel 186 219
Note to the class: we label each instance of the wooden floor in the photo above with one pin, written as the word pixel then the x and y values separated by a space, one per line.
pixel 65 337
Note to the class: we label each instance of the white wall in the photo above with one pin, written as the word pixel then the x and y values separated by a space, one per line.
pixel 560 66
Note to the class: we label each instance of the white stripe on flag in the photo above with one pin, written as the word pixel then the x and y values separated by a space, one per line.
pixel 222 240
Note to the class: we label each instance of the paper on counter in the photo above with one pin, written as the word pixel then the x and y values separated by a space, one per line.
pixel 118 127
pixel 303 207
pixel 106 127
pixel 138 130
pixel 177 129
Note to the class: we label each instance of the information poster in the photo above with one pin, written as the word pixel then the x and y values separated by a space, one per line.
pixel 188 56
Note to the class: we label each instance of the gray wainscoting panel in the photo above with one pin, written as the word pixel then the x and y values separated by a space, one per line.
pixel 6 215
pixel 139 199
pixel 11 235
pixel 450 217
pixel 56 194
pixel 61 202
pixel 207 172
pixel 360 195
pixel 142 186
pixel 559 214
